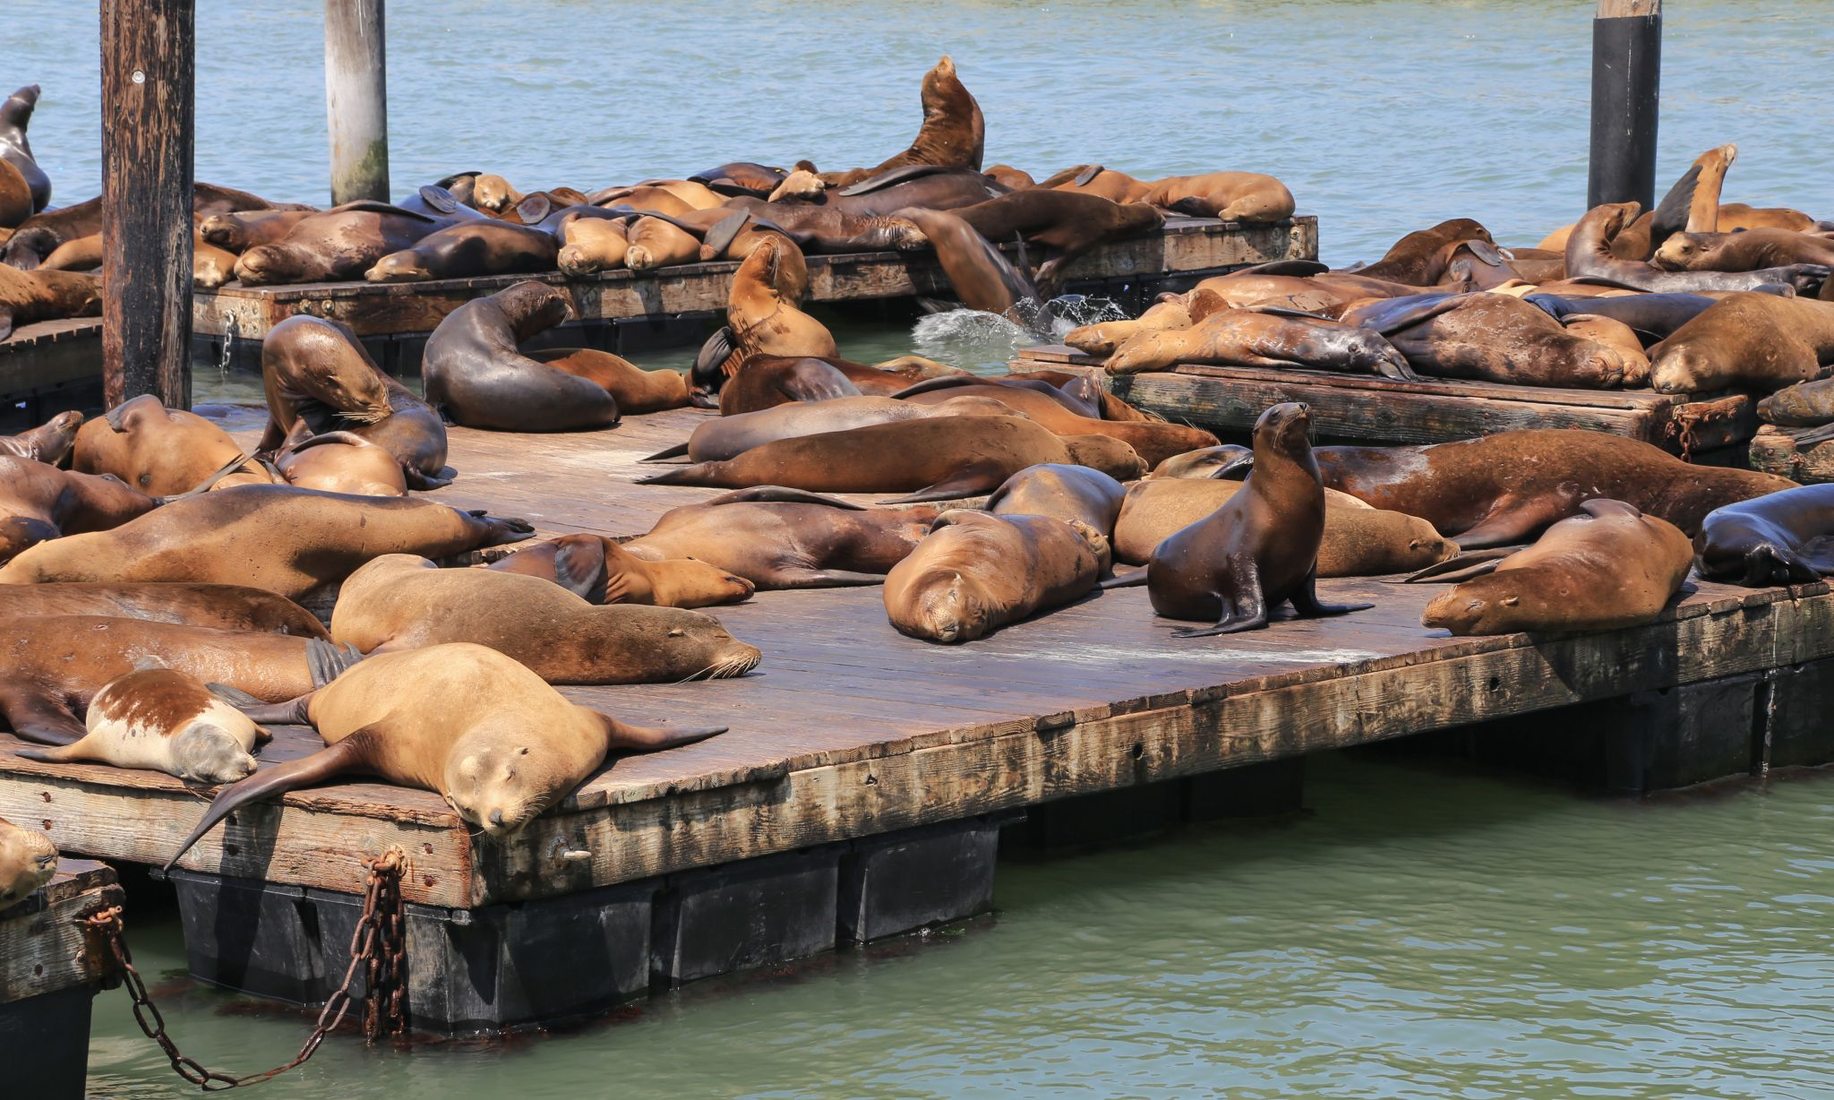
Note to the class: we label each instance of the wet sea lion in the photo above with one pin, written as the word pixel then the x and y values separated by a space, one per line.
pixel 1066 221
pixel 40 502
pixel 1231 196
pixel 1235 566
pixel 1803 405
pixel 1606 568
pixel 161 720
pixel 16 151
pixel 53 666
pixel 1419 258
pixel 161 451
pixel 1169 313
pixel 48 443
pixel 1494 338
pixel 1745 250
pixel 764 381
pixel 781 538
pixel 242 230
pixel 600 571
pixel 340 243
pixel 1090 497
pixel 1783 538
pixel 635 389
pixel 1755 341
pixel 285 540
pixel 980 276
pixel 1506 488
pixel 221 606
pixel 1245 338
pixel 400 601
pixel 1589 257
pixel 82 254
pixel 1206 462
pixel 28 860
pixel 496 743
pixel 474 372
pixel 468 249
pixel 975 572
pixel 27 297
pixel 940 458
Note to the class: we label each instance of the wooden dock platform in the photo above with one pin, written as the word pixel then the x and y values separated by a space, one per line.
pixel 46 363
pixel 1361 408
pixel 50 968
pixel 1804 454
pixel 852 743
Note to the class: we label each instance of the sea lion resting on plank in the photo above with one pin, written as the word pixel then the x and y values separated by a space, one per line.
pixel 1153 440
pixel 241 230
pixel 496 743
pixel 466 250
pixel 28 860
pixel 47 443
pixel 634 389
pixel 1783 538
pixel 765 381
pixel 340 243
pixel 1753 341
pixel 41 234
pixel 162 720
pixel 599 571
pixel 40 502
pixel 27 297
pixel 1065 492
pixel 219 606
pixel 163 451
pixel 340 462
pixel 1242 337
pixel 1589 257
pixel 1497 338
pixel 728 437
pixel 976 572
pixel 1746 250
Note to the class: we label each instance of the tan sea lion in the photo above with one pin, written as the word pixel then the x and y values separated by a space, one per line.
pixel 40 502
pixel 340 243
pixel 592 245
pixel 976 572
pixel 1589 257
pixel 493 193
pixel 762 314
pixel 1753 341
pixel 162 720
pixel 496 743
pixel 1064 492
pixel 1607 568
pixel 635 389
pixel 475 373
pixel 47 443
pixel 1745 250
pixel 341 462
pixel 1783 538
pixel 729 436
pixel 1068 222
pixel 1206 462
pixel 1231 196
pixel 211 266
pixel 1017 179
pixel 16 150
pixel 220 606
pixel 466 250
pixel 1095 179
pixel 161 451
pixel 653 243
pixel 400 601
pixel 27 297
pixel 242 230
pixel 1153 440
pixel 81 254
pixel 15 198
pixel 1170 312
pixel 939 458
pixel 599 571
pixel 285 540
pixel 28 860
pixel 1494 338
pixel 1242 337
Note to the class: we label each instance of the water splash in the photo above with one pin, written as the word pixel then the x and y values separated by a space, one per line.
pixel 985 343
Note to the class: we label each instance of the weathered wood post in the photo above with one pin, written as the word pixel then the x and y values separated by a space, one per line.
pixel 1626 86
pixel 356 100
pixel 147 137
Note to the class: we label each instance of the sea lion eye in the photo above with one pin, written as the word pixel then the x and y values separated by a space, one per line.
pixel 525 750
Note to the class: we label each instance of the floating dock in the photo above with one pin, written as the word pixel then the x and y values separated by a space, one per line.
pixel 1804 454
pixel 50 969
pixel 48 367
pixel 867 776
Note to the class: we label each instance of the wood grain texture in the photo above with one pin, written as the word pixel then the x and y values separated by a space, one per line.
pixel 50 353
pixel 1627 9
pixel 1805 454
pixel 42 947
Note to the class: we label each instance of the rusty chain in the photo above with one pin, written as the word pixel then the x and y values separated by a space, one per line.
pixel 377 946
pixel 1681 428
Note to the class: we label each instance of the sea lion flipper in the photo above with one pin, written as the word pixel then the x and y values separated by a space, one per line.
pixel 677 451
pixel 1225 470
pixel 651 738
pixel 293 712
pixel 1461 567
pixel 779 494
pixel 36 716
pixel 1306 601
pixel 580 568
pixel 1818 554
pixel 1671 214
pixel 334 760
pixel 328 660
pixel 1124 580
pixel 724 232
pixel 1512 519
pixel 73 753
pixel 971 480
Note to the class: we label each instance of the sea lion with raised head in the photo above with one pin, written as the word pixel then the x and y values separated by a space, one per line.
pixel 162 720
pixel 163 452
pixel 1240 337
pixel 1753 341
pixel 975 572
pixel 400 601
pixel 762 309
pixel 220 606
pixel 1062 491
pixel 496 743
pixel 28 860
pixel 1783 538
pixel 599 571
pixel 468 249
pixel 476 374
pixel 953 134
pixel 27 297
pixel 48 443
pixel 39 502
pixel 1608 567
pixel 16 151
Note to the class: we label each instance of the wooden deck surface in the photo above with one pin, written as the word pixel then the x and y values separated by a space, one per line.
pixel 848 728
pixel 42 948
pixel 50 353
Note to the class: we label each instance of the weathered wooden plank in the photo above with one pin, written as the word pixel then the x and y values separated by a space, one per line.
pixel 51 353
pixel 42 947
pixel 1805 454
pixel 356 100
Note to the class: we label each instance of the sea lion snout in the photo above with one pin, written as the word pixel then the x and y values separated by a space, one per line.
pixel 205 752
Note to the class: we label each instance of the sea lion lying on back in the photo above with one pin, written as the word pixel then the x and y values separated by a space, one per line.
pixel 28 860
pixel 496 743
pixel 40 502
pixel 47 443
pixel 976 572
pixel 162 720
pixel 599 571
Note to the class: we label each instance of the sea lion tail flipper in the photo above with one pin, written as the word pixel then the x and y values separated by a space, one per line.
pixel 693 473
pixel 1243 461
pixel 328 763
pixel 328 660
pixel 971 480
pixel 421 481
pixel 1462 567
pixel 1395 365
pixel 293 712
pixel 1130 579
pixel 724 232
pixel 36 716
pixel 1306 601
pixel 652 738
pixel 242 459
pixel 781 494
pixel 677 451
pixel 74 753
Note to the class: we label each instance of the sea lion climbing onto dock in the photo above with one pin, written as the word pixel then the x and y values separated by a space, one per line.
pixel 975 572
pixel 485 733
pixel 162 720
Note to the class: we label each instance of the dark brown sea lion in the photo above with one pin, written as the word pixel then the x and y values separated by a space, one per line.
pixel 980 276
pixel 833 227
pixel 400 601
pixel 1783 538
pixel 50 667
pixel 15 199
pixel 1242 337
pixel 1494 338
pixel 40 234
pixel 1506 488
pixel 1231 196
pixel 1079 493
pixel 976 572
pixel 1260 549
pixel 163 452
pixel 1154 440
pixel 635 389
pixel 340 243
pixel 244 229
pixel 1755 341
pixel 39 502
pixel 1652 316
pixel 599 571
pixel 1419 258
pixel 1589 257
pixel 16 151
pixel 940 458
pixel 1803 405
pixel 953 134
pixel 475 373
pixel 275 537
pixel 1745 250
pixel 1069 222
pixel 220 606
pixel 48 443
pixel 786 538
pixel 767 380
pixel 741 177
pixel 496 743
pixel 162 720
pixel 1606 568
pixel 468 249
pixel 30 296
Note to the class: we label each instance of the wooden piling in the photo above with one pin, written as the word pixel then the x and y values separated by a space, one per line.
pixel 1626 84
pixel 147 137
pixel 356 100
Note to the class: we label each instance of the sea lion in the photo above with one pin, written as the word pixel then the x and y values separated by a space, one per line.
pixel 48 443
pixel 980 276
pixel 315 370
pixel 727 437
pixel 40 234
pixel 340 462
pixel 953 134
pixel 16 151
pixel 40 502
pixel 275 537
pixel 1259 549
pixel 975 572
pixel 1154 440
pixel 1606 568
pixel 781 538
pixel 1231 196
pixel 162 720
pixel 1745 250
pixel 1246 338
pixel 741 177
pixel 30 296
pixel 1505 488
pixel 15 199
pixel 221 606
pixel 242 230
pixel 81 254
pixel 52 666
pixel 1589 257
pixel 493 193
pixel 1652 316
pixel 1016 179
pixel 1090 497
pixel 468 249
pixel 1419 258
pixel 764 381
pixel 762 314
pixel 1803 405
pixel 635 389
pixel 163 452
pixel 653 242
pixel 1755 341
pixel 1066 221
pixel 1095 179
pixel 599 571
pixel 939 458
pixel 401 601
pixel 1169 313
pixel 1205 462
pixel 476 375
pixel 1494 338
pixel 1783 538
pixel 340 243
pixel 28 860
pixel 496 743
pixel 592 245
pixel 1359 541
pixel 834 226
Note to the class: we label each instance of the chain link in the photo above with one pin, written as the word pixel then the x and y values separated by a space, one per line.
pixel 1681 428
pixel 377 946
pixel 231 329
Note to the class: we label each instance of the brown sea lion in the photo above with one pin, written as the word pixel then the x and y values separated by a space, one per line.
pixel 1606 568
pixel 340 462
pixel 1359 541
pixel 285 540
pixel 786 538
pixel 953 134
pixel 940 458
pixel 652 243
pixel 1018 179
pixel 40 234
pixel 40 502
pixel 833 225
pixel 1169 313
pixel 1652 316
pixel 52 666
pixel 741 177
pixel 1783 538
pixel 28 860
pixel 599 571
pixel 1419 258
pixel 493 193
pixel 48 443
pixel 980 276
pixel 163 452
pixel 211 266
pixel 1242 337
pixel 764 381
pixel 1078 493
pixel 727 437
pixel 16 150
pixel 1494 338
pixel 1069 222
pixel 650 194
pixel 30 296
pixel 976 572
pixel 340 243
pixel 400 601
pixel 466 250
pixel 1205 462
pixel 15 199
pixel 1589 257
pixel 242 230
pixel 315 370
pixel 1803 405
pixel 81 254
pixel 162 720
pixel 1755 341
pixel 221 606
pixel 496 743
pixel 1154 440
pixel 593 245
pixel 474 372
pixel 762 314
pixel 635 389
pixel 1231 196
pixel 1260 549
pixel 1506 488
